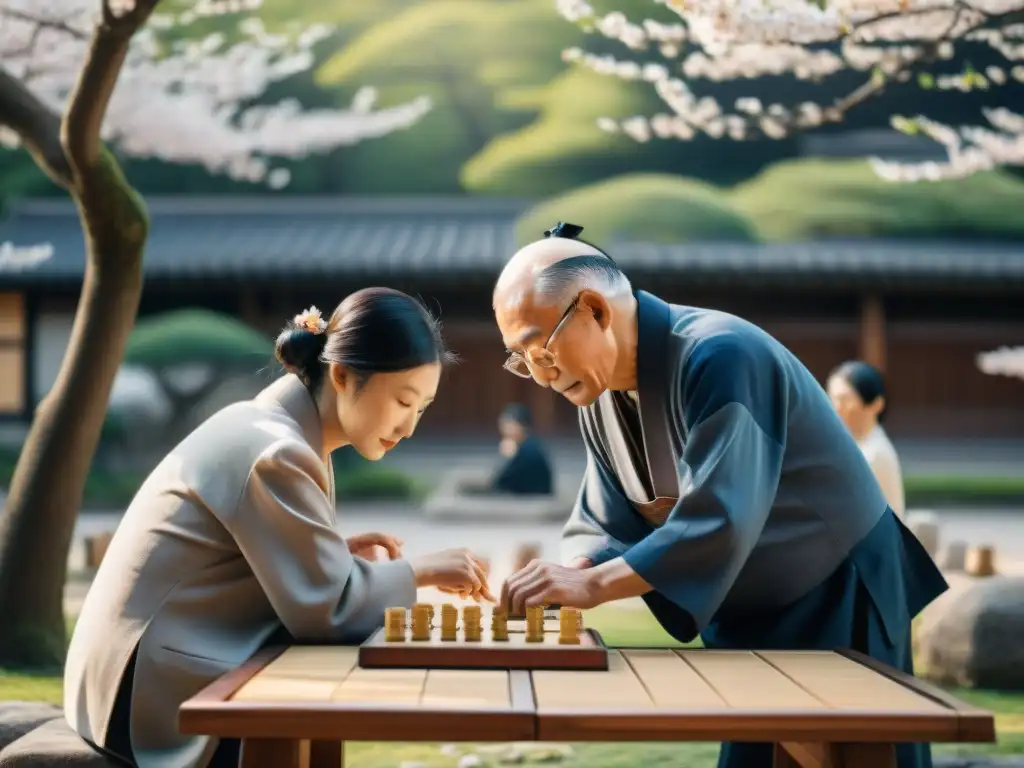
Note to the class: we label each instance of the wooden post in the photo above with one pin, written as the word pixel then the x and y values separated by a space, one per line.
pixel 872 331
pixel 542 409
pixel 249 309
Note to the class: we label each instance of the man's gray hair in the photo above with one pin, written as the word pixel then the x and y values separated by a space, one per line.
pixel 561 281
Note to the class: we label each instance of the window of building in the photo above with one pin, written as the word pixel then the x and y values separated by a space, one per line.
pixel 12 354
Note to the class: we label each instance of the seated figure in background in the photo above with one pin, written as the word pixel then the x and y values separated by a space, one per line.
pixel 857 390
pixel 526 468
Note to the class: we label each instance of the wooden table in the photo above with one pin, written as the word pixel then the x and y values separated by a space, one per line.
pixel 295 707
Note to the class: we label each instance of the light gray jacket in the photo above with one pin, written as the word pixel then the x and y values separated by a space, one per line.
pixel 232 536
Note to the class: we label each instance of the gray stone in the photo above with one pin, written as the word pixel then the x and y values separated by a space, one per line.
pixel 20 717
pixel 955 557
pixel 976 640
pixel 53 745
pixel 925 526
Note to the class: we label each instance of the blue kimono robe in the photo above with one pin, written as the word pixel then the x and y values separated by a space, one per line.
pixel 728 482
pixel 527 472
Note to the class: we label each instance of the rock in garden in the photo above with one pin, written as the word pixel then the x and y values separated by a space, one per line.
pixel 470 761
pixel 512 755
pixel 18 718
pixel 976 641
pixel 925 526
pixel 411 764
pixel 53 745
pixel 450 750
pixel 955 557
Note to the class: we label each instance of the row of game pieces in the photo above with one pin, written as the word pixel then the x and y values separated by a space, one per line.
pixel 395 625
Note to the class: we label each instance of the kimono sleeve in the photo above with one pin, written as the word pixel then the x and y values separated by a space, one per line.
pixel 603 522
pixel 734 404
pixel 284 529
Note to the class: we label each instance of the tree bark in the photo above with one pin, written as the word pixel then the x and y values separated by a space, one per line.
pixel 38 524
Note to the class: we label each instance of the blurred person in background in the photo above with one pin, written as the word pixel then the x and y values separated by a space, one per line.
pixel 527 467
pixel 231 543
pixel 857 391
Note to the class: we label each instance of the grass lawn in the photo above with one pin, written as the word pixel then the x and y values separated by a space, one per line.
pixel 621 627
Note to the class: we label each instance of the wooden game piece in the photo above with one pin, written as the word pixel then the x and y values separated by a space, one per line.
pixel 535 624
pixel 499 625
pixel 394 625
pixel 420 622
pixel 570 623
pixel 471 623
pixel 449 622
pixel 428 609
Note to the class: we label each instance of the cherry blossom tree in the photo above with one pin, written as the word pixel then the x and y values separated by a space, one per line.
pixel 890 41
pixel 75 76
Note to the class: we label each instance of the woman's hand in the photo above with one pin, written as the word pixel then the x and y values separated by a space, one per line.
pixel 549 584
pixel 365 546
pixel 454 572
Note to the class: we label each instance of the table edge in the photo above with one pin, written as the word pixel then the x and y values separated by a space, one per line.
pixel 971 724
pixel 975 724
pixel 228 684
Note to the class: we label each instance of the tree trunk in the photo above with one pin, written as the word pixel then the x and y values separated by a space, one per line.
pixel 38 524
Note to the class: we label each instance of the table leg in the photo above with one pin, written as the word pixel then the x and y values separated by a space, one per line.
pixel 817 755
pixel 782 759
pixel 274 753
pixel 327 754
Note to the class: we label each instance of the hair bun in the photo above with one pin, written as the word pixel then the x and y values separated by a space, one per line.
pixel 298 350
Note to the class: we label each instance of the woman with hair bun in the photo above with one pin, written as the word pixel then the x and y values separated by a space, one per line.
pixel 232 543
pixel 857 390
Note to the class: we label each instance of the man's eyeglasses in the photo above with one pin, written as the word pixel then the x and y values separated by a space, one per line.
pixel 542 357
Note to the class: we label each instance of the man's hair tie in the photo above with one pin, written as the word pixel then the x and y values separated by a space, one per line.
pixel 564 229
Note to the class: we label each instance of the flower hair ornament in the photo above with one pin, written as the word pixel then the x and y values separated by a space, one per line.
pixel 311 320
pixel 564 229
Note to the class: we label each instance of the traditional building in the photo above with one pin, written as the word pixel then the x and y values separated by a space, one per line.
pixel 920 310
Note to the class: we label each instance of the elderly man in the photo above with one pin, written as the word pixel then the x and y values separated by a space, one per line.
pixel 720 484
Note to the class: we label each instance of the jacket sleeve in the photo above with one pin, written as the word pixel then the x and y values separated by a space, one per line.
pixel 284 528
pixel 735 409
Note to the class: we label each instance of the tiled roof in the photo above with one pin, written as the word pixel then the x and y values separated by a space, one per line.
pixel 284 237
pixel 303 239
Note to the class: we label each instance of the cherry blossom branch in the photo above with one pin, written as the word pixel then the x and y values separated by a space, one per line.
pixel 36 125
pixel 187 99
pixel 896 40
pixel 88 102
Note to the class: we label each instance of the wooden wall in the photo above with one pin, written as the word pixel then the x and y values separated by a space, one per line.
pixel 930 347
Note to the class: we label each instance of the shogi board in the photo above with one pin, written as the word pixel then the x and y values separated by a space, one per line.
pixel 590 654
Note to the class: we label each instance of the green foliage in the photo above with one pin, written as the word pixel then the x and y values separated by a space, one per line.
pixel 195 336
pixel 564 149
pixel 945 489
pixel 473 58
pixel 811 199
pixel 644 207
pixel 373 483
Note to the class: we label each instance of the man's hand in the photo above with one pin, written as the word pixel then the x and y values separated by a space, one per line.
pixel 580 562
pixel 365 546
pixel 542 583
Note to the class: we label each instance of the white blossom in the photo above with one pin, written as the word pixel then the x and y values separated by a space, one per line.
pixel 1005 361
pixel 191 101
pixel 719 40
pixel 18 258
